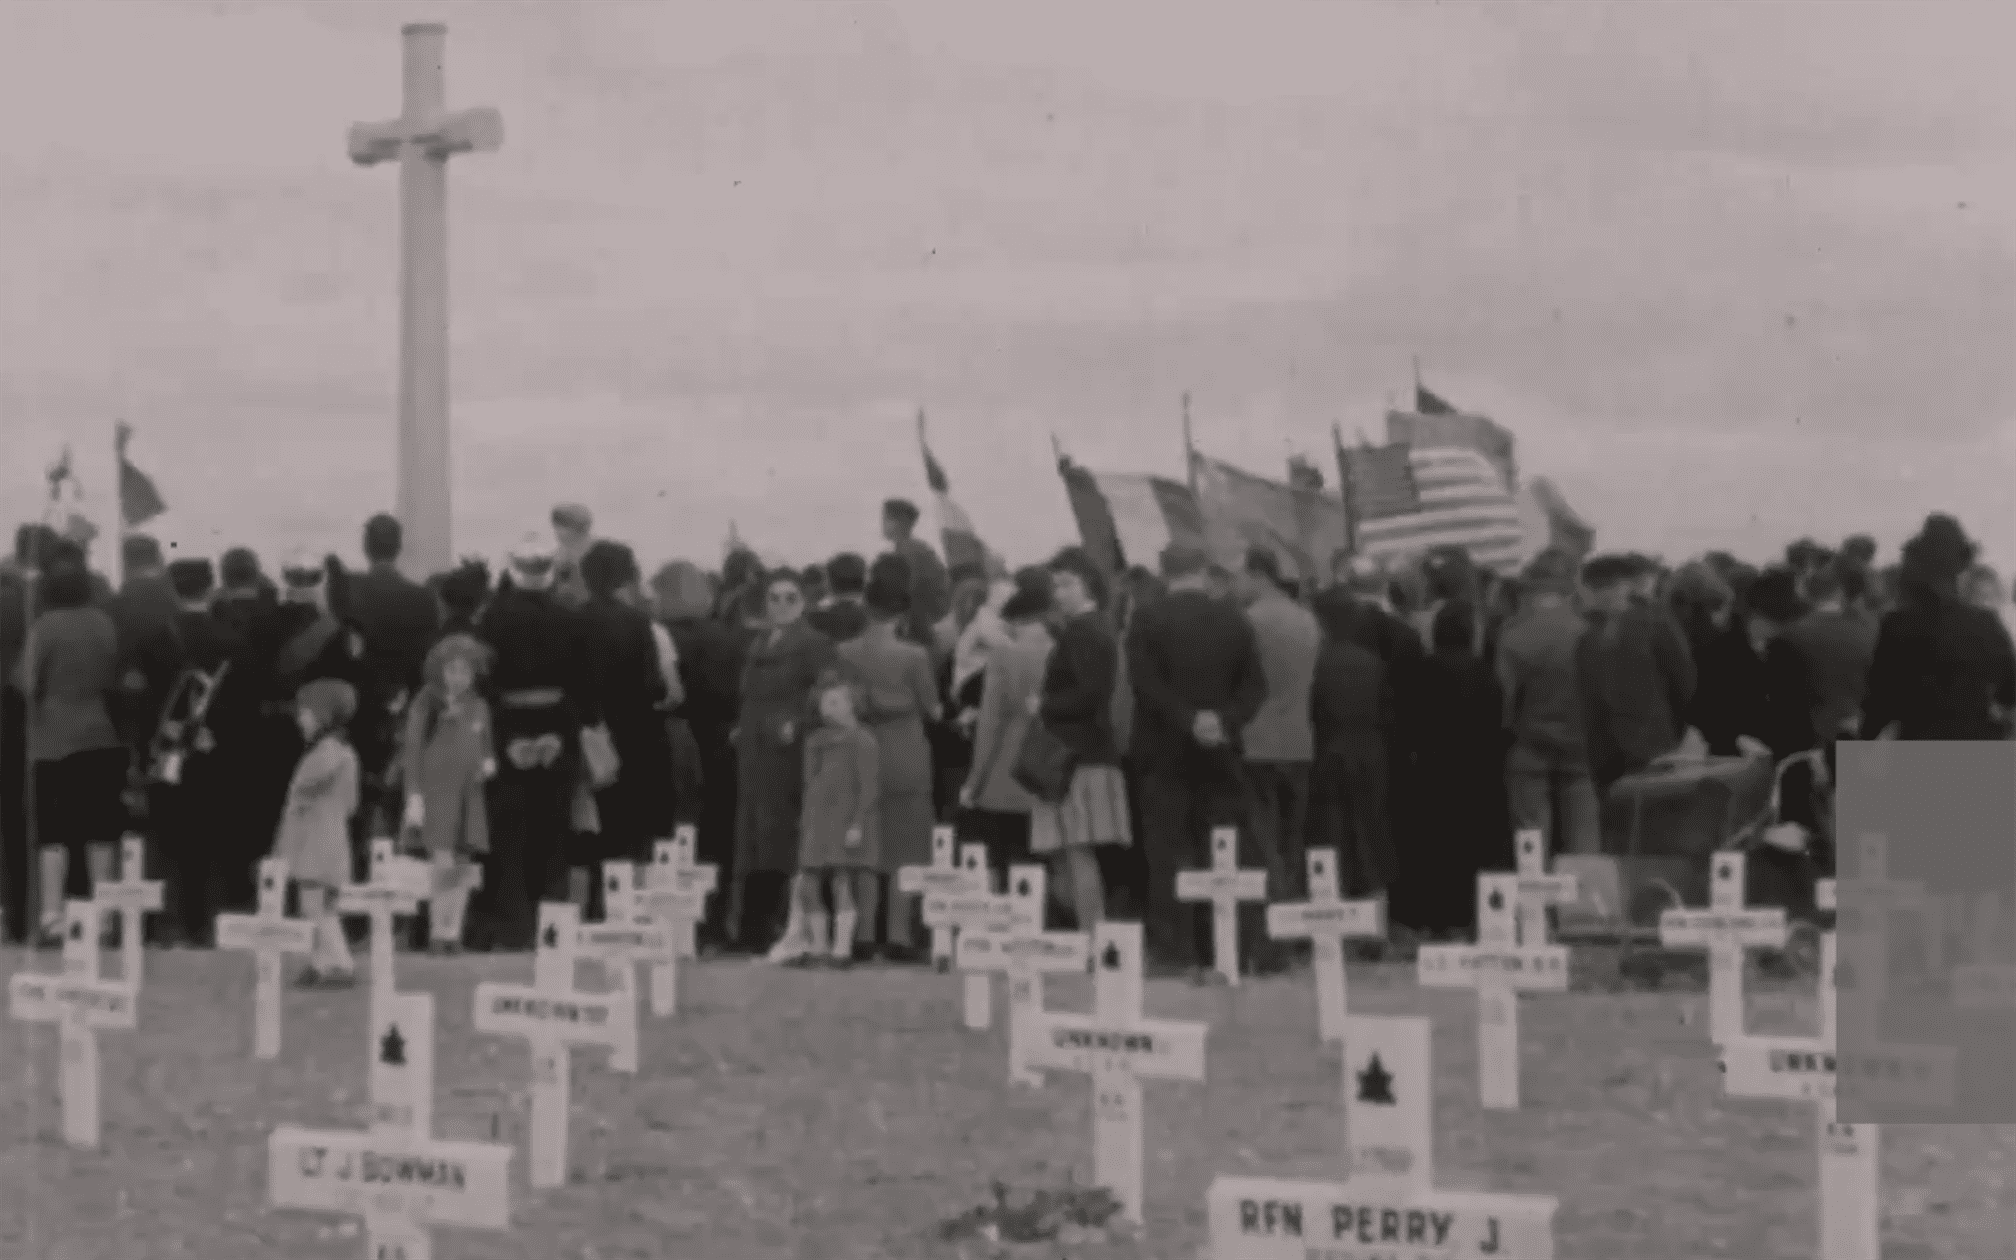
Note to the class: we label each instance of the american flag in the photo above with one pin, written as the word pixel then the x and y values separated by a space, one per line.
pixel 1378 481
pixel 1459 499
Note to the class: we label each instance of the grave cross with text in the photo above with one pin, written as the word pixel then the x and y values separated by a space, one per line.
pixel 945 878
pixel 969 905
pixel 1727 930
pixel 1325 920
pixel 1017 947
pixel 1499 969
pixel 1118 1049
pixel 267 935
pixel 422 139
pixel 553 1016
pixel 81 1004
pixel 624 939
pixel 396 886
pixel 675 895
pixel 1539 891
pixel 130 897
pixel 1224 885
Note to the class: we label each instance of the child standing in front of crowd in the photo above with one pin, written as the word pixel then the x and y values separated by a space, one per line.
pixel 449 755
pixel 314 835
pixel 837 833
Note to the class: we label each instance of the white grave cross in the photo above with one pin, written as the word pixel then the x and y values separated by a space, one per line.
pixel 267 935
pixel 1727 929
pixel 1499 969
pixel 396 886
pixel 130 897
pixel 1118 1049
pixel 968 905
pixel 621 941
pixel 1387 1206
pixel 81 1005
pixel 675 896
pixel 945 878
pixel 553 1016
pixel 1224 885
pixel 396 1175
pixel 1538 891
pixel 1325 920
pixel 1017 947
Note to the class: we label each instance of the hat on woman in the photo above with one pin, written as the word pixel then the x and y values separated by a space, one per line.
pixel 331 700
pixel 1031 598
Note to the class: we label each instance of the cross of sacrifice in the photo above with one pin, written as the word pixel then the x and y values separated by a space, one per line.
pixel 967 905
pixel 1325 920
pixel 675 895
pixel 553 1017
pixel 943 879
pixel 621 941
pixel 1803 1069
pixel 267 934
pixel 1387 1200
pixel 1728 931
pixel 1499 969
pixel 1224 885
pixel 81 1003
pixel 1538 891
pixel 130 897
pixel 1017 946
pixel 396 886
pixel 1118 1049
pixel 422 139
pixel 396 1175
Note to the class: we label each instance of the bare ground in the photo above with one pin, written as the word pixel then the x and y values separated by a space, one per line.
pixel 787 1114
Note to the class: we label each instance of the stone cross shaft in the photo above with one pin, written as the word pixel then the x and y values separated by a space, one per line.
pixel 422 139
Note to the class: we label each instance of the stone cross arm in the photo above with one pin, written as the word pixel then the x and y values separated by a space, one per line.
pixel 440 135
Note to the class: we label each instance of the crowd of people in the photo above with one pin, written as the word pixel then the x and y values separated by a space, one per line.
pixel 815 725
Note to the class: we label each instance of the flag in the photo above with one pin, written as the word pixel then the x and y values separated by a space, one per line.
pixel 1378 481
pixel 1424 428
pixel 1125 519
pixel 139 501
pixel 1461 501
pixel 1428 403
pixel 1303 528
pixel 955 529
pixel 65 513
pixel 1562 528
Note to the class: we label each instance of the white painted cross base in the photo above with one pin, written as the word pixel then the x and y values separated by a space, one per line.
pixel 945 877
pixel 1539 891
pixel 130 896
pixel 267 935
pixel 1727 930
pixel 1118 1049
pixel 552 1016
pixel 1387 1206
pixel 1499 973
pixel 967 905
pixel 1325 921
pixel 81 1005
pixel 675 893
pixel 1224 885
pixel 1024 955
pixel 395 1176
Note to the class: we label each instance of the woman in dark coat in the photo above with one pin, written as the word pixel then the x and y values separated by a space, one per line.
pixel 1943 669
pixel 1076 706
pixel 712 652
pixel 623 672
pixel 786 658
pixel 1351 709
pixel 1462 825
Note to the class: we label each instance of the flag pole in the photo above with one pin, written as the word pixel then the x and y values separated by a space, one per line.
pixel 1417 375
pixel 1189 447
pixel 1345 489
pixel 1057 450
pixel 119 484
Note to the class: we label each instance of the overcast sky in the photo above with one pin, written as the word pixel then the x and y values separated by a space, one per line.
pixel 1732 272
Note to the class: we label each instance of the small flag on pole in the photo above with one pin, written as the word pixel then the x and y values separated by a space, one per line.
pixel 955 529
pixel 139 501
pixel 65 513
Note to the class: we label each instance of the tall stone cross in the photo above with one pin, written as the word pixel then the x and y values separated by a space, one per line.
pixel 1118 1048
pixel 130 897
pixel 81 1004
pixel 1325 920
pixel 1387 1203
pixel 422 139
pixel 1224 885
pixel 1499 969
pixel 1727 929
pixel 267 935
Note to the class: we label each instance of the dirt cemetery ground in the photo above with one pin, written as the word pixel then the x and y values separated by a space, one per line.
pixel 788 1114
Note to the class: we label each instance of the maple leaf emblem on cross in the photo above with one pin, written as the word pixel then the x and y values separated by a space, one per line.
pixel 551 938
pixel 1497 901
pixel 1110 960
pixel 1375 1084
pixel 392 1049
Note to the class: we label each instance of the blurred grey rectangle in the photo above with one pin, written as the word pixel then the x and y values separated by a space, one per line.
pixel 1926 974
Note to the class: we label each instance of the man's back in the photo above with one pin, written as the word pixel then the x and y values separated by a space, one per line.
pixel 1189 654
pixel 1287 639
pixel 1636 676
pixel 1837 647
pixel 398 618
pixel 1536 668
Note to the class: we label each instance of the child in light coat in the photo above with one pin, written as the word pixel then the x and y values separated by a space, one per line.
pixel 837 833
pixel 450 753
pixel 314 833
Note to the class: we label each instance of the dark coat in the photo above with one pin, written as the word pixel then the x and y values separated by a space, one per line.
pixel 1351 711
pixel 399 619
pixel 711 656
pixel 1077 695
pixel 627 687
pixel 1637 679
pixel 1461 821
pixel 1189 654
pixel 1941 670
pixel 777 708
pixel 841 621
pixel 540 645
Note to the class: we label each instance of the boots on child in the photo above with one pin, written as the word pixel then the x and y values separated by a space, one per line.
pixel 791 945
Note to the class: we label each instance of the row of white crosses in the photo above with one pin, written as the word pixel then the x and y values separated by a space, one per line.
pixel 1387 1204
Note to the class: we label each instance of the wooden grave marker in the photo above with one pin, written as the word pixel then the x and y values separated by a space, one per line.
pixel 396 885
pixel 267 935
pixel 1728 929
pixel 946 877
pixel 968 905
pixel 675 896
pixel 1539 891
pixel 1118 1049
pixel 1017 947
pixel 1387 1206
pixel 82 1004
pixel 1499 969
pixel 396 1175
pixel 1325 921
pixel 131 897
pixel 624 939
pixel 1224 884
pixel 553 1017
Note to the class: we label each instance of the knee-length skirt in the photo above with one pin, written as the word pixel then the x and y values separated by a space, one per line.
pixel 1094 811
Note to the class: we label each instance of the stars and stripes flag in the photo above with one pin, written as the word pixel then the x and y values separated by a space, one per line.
pixel 1446 496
